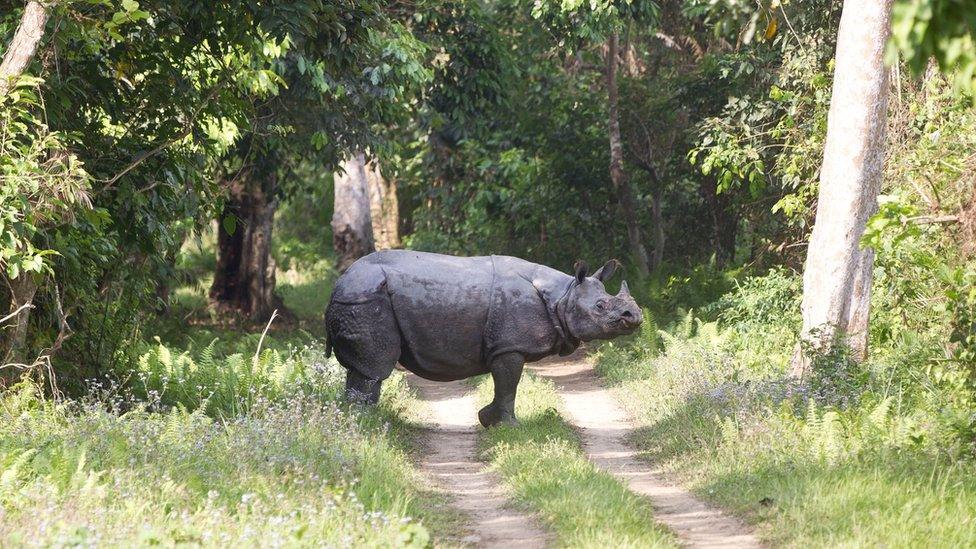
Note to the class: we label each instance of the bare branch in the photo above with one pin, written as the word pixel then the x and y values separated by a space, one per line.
pixel 27 305
pixel 929 219
pixel 145 155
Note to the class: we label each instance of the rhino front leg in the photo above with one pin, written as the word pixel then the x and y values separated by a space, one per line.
pixel 361 389
pixel 506 371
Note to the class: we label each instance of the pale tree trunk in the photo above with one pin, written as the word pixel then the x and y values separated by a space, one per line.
pixel 838 273
pixel 383 208
pixel 352 231
pixel 22 48
pixel 625 192
pixel 244 282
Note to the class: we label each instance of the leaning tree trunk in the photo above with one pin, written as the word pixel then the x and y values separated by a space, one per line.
pixel 625 192
pixel 838 273
pixel 22 48
pixel 13 328
pixel 352 231
pixel 383 208
pixel 244 282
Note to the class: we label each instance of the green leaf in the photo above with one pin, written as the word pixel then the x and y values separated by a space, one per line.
pixel 230 224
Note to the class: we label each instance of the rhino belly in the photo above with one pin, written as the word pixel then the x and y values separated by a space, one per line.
pixel 442 324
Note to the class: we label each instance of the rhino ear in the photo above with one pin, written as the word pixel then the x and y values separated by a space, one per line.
pixel 607 271
pixel 580 269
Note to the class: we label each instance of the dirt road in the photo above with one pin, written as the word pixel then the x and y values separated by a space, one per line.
pixel 452 462
pixel 604 426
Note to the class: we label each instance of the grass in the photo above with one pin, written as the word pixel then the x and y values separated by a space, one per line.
pixel 306 293
pixel 304 286
pixel 197 439
pixel 247 453
pixel 892 501
pixel 544 466
pixel 806 473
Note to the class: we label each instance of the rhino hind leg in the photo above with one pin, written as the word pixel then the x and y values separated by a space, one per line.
pixel 506 372
pixel 366 341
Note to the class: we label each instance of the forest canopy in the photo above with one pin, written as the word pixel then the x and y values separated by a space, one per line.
pixel 677 135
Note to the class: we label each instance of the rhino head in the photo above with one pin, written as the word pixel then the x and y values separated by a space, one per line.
pixel 589 312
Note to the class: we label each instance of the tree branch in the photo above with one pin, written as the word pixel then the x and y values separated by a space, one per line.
pixel 928 219
pixel 145 155
pixel 27 305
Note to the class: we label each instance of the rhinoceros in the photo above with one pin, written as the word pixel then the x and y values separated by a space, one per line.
pixel 446 318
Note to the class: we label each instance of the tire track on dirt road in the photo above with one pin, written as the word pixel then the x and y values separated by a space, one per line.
pixel 605 428
pixel 452 461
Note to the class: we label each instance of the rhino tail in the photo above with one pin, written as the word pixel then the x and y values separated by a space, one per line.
pixel 328 329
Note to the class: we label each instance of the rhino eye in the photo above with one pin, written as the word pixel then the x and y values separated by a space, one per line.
pixel 601 305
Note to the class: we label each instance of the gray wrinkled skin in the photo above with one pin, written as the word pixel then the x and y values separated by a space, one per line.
pixel 446 318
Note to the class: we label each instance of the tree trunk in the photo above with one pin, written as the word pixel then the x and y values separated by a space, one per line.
pixel 838 273
pixel 725 222
pixel 352 231
pixel 20 52
pixel 13 343
pixel 22 48
pixel 657 217
pixel 244 282
pixel 383 208
pixel 625 192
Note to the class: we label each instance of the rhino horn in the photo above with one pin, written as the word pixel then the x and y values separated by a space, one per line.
pixel 624 290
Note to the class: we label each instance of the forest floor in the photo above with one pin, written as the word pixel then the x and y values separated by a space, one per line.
pixel 603 428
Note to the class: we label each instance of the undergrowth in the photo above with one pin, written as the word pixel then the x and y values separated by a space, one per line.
pixel 867 454
pixel 208 449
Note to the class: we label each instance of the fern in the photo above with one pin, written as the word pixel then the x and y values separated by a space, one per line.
pixel 729 430
pixel 831 436
pixel 11 474
pixel 878 419
pixel 206 360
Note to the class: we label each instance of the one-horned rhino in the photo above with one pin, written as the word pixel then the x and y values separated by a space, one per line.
pixel 447 318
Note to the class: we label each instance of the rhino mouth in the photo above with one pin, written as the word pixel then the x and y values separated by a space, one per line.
pixel 625 326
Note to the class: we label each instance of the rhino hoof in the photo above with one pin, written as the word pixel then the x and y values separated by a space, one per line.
pixel 489 416
pixel 486 416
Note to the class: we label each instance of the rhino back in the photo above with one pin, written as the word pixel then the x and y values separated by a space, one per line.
pixel 455 314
